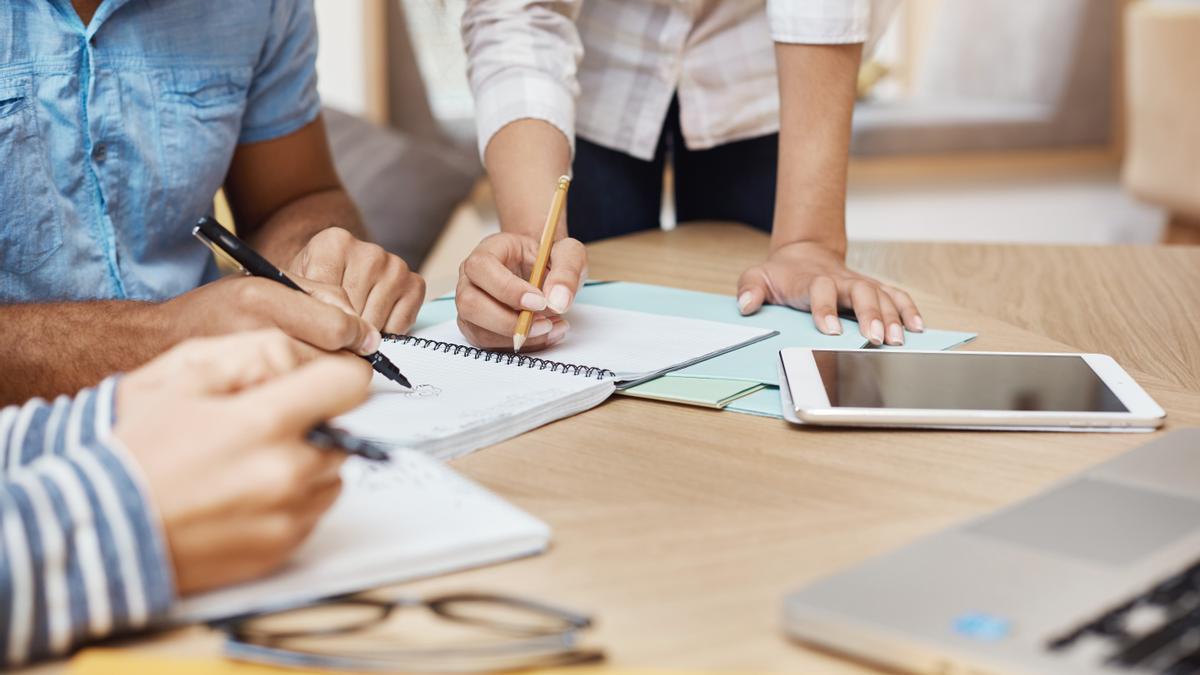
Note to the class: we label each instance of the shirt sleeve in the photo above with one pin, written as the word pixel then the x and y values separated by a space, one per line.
pixel 829 21
pixel 522 61
pixel 81 553
pixel 283 94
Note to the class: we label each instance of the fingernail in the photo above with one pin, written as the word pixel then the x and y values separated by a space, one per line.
pixel 560 331
pixel 370 343
pixel 877 332
pixel 744 301
pixel 918 324
pixel 560 299
pixel 540 327
pixel 534 302
pixel 895 334
pixel 832 325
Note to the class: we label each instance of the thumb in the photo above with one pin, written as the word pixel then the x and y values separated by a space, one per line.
pixel 752 291
pixel 323 388
pixel 568 264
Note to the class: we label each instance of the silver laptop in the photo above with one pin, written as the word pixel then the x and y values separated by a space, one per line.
pixel 1098 574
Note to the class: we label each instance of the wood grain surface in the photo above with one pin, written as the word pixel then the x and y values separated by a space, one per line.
pixel 1139 304
pixel 681 529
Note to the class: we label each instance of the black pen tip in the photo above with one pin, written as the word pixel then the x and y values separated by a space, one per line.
pixel 388 369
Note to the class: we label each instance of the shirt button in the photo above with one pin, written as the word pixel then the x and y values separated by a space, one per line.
pixel 100 152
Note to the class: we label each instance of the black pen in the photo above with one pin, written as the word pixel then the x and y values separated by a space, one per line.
pixel 331 438
pixel 215 236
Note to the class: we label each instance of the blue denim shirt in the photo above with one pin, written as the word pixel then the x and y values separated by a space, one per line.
pixel 114 137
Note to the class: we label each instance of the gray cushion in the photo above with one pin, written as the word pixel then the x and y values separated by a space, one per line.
pixel 406 188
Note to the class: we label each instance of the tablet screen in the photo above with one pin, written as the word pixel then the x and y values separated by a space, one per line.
pixel 892 379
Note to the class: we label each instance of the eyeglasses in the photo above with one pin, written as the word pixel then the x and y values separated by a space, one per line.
pixel 462 633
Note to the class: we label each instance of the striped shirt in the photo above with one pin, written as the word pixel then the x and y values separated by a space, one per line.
pixel 607 69
pixel 81 554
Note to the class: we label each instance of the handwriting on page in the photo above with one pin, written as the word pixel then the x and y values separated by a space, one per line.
pixel 419 391
pixel 406 475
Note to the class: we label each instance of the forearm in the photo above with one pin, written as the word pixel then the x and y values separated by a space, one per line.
pixel 83 556
pixel 524 160
pixel 291 227
pixel 52 349
pixel 816 91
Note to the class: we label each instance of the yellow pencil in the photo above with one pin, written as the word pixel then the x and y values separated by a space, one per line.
pixel 539 265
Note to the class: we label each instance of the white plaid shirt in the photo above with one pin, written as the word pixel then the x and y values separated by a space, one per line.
pixel 607 69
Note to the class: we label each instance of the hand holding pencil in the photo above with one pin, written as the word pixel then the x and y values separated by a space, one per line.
pixel 516 286
pixel 537 276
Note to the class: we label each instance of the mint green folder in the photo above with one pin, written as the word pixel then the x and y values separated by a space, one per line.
pixel 707 393
pixel 757 362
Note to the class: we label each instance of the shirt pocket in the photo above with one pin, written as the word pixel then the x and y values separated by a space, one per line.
pixel 202 118
pixel 30 227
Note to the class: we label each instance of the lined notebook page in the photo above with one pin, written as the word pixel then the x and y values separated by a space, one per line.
pixel 461 403
pixel 631 344
pixel 410 518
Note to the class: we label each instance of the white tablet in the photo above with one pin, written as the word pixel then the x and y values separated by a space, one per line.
pixel 991 390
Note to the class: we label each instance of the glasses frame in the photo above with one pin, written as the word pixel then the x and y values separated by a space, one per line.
pixel 550 645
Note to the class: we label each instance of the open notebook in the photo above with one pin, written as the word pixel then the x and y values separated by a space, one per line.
pixel 467 398
pixel 412 517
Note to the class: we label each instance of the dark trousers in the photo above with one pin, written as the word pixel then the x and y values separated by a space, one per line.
pixel 614 194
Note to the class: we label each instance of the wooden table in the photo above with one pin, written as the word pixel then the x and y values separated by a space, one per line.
pixel 681 529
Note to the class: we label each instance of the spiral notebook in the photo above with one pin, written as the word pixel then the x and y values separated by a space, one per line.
pixel 466 398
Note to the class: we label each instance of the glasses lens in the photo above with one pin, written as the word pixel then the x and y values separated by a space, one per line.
pixel 510 615
pixel 334 617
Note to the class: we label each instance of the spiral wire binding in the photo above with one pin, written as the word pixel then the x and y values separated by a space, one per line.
pixel 508 359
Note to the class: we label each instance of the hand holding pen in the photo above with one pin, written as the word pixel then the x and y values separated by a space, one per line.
pixel 214 235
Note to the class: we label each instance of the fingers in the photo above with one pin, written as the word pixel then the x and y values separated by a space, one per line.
pixel 306 318
pixel 752 291
pixel 395 299
pixel 908 309
pixel 491 324
pixel 893 331
pixel 368 266
pixel 323 258
pixel 229 363
pixel 823 302
pixel 327 293
pixel 360 278
pixel 864 299
pixel 404 311
pixel 489 268
pixel 318 390
pixel 568 264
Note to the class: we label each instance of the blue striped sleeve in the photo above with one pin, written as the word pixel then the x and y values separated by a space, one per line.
pixel 81 552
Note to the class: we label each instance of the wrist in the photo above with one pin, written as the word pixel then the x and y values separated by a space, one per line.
pixel 831 244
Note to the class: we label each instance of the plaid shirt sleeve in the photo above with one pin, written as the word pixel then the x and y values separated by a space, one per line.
pixel 829 21
pixel 523 57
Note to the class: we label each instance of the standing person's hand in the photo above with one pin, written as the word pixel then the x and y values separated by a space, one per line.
pixel 493 288
pixel 218 428
pixel 360 277
pixel 810 277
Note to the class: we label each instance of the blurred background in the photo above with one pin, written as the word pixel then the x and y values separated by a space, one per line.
pixel 1044 121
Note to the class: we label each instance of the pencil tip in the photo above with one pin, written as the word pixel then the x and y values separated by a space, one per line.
pixel 518 342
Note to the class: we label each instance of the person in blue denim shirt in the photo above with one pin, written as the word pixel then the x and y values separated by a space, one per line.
pixel 189 473
pixel 119 121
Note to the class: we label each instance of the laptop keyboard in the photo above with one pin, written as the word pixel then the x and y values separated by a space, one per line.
pixel 1155 632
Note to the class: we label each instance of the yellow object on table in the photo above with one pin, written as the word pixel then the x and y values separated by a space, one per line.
pixel 100 661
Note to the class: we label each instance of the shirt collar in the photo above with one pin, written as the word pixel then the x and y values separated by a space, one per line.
pixel 107 9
